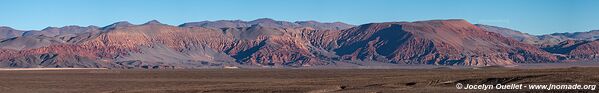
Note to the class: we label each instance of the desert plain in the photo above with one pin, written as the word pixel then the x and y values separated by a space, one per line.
pixel 433 80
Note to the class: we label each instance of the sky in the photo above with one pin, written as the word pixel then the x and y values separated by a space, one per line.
pixel 530 16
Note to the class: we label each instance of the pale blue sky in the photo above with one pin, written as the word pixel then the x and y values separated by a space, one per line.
pixel 531 16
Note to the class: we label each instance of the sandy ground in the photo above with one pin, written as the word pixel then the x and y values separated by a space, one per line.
pixel 286 80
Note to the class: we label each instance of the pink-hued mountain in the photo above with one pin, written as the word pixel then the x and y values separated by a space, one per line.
pixel 265 42
pixel 441 42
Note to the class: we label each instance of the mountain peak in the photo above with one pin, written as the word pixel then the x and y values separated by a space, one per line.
pixel 118 24
pixel 123 23
pixel 153 22
pixel 49 28
pixel 264 19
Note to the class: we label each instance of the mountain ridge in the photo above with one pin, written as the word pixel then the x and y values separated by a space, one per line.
pixel 268 43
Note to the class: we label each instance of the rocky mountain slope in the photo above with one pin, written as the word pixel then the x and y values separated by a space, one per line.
pixel 441 42
pixel 265 42
pixel 156 45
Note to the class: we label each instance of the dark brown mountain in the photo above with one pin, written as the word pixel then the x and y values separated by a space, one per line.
pixel 266 43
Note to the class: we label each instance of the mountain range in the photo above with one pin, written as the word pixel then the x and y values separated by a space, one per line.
pixel 269 43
